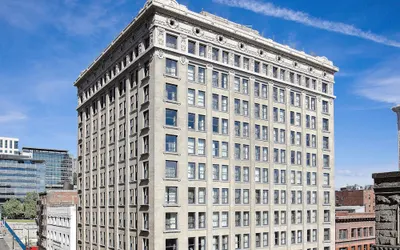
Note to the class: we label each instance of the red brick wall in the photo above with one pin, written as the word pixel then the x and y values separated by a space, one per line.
pixel 63 197
pixel 356 198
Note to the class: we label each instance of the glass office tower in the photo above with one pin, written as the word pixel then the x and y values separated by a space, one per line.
pixel 58 165
pixel 19 176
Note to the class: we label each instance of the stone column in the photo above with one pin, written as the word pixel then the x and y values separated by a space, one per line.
pixel 397 111
pixel 387 200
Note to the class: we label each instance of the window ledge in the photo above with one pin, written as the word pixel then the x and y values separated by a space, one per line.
pixel 172 76
pixel 145 78
pixel 171 153
pixel 172 231
pixel 172 179
pixel 171 127
pixel 171 101
pixel 145 103
pixel 171 205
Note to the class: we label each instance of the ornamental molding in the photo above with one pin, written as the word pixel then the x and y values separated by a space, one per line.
pixel 183 42
pixel 183 60
pixel 160 54
pixel 161 36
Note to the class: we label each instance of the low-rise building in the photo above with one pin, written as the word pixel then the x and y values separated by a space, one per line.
pixel 9 145
pixel 57 220
pixel 354 231
pixel 356 196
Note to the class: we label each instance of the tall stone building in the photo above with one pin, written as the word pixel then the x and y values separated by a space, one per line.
pixel 197 133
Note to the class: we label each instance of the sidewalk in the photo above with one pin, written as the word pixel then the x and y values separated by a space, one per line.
pixel 7 240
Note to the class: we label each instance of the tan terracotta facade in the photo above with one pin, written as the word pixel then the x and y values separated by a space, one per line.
pixel 197 133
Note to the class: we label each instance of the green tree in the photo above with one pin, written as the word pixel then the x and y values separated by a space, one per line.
pixel 30 205
pixel 13 209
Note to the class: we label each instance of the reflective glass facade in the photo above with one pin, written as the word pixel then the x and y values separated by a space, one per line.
pixel 19 176
pixel 58 165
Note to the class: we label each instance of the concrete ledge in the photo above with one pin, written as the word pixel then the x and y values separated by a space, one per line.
pixel 394 174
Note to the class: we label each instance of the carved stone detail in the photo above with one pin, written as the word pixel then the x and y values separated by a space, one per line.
pixel 161 35
pixel 183 60
pixel 183 43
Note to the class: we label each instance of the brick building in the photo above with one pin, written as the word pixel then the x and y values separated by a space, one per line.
pixel 355 231
pixel 356 196
pixel 56 219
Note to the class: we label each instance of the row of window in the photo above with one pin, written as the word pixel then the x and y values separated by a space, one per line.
pixel 242 196
pixel 197 171
pixel 356 233
pixel 241 85
pixel 243 62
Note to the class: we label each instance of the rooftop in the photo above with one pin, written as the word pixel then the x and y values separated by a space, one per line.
pixel 46 149
pixel 217 22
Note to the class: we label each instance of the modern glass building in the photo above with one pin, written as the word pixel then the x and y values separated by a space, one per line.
pixel 19 176
pixel 58 165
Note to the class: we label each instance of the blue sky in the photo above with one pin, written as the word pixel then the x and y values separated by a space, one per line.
pixel 46 43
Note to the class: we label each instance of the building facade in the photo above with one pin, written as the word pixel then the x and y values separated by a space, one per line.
pixel 9 145
pixel 19 176
pixel 58 165
pixel 56 220
pixel 356 197
pixel 387 198
pixel 197 133
pixel 355 231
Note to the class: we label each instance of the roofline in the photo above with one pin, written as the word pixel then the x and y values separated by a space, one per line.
pixel 205 19
pixel 19 157
pixel 46 149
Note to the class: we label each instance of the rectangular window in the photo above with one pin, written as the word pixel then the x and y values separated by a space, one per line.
pixel 171 67
pixel 171 195
pixel 215 54
pixel 192 47
pixel 201 146
pixel 171 91
pixel 171 222
pixel 191 96
pixel 191 73
pixel 171 143
pixel 171 117
pixel 172 41
pixel 171 169
pixel 201 99
pixel 202 50
pixel 191 121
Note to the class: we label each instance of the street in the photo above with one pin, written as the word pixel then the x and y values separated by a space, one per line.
pixel 3 245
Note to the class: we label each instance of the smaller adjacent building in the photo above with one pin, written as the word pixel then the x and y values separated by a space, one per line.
pixel 9 145
pixel 57 220
pixel 354 231
pixel 58 165
pixel 20 175
pixel 356 196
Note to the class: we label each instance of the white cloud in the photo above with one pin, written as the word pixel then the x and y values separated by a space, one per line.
pixel 381 82
pixel 70 16
pixel 12 117
pixel 270 9
pixel 361 175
